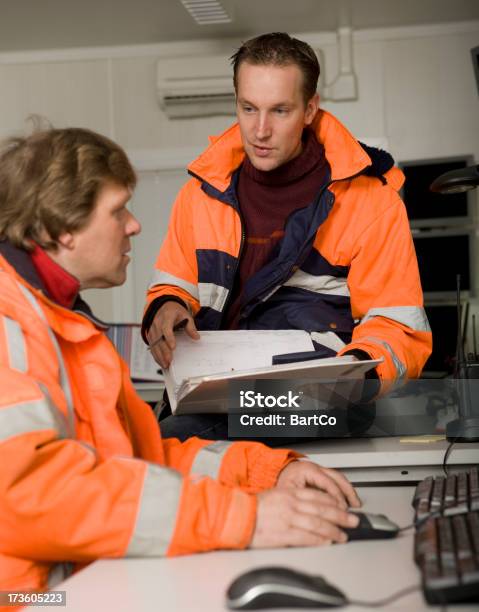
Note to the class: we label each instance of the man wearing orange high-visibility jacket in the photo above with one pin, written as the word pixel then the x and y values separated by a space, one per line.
pixel 288 222
pixel 84 471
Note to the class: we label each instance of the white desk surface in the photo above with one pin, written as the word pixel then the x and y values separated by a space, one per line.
pixel 367 571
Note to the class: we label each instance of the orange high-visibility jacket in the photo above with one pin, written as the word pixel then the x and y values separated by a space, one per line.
pixel 346 270
pixel 84 473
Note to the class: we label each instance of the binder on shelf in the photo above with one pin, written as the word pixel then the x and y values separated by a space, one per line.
pixel 128 341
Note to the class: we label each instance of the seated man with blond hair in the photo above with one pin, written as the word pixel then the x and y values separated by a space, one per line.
pixel 85 473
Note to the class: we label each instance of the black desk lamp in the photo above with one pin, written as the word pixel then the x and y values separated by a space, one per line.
pixel 456 181
pixel 466 427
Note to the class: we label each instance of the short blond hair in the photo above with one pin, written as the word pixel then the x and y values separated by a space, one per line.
pixel 49 182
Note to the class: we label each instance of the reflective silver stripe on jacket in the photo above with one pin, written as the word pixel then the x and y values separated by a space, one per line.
pixel 412 316
pixel 398 364
pixel 64 382
pixel 17 357
pixel 36 415
pixel 164 278
pixel 212 296
pixel 156 519
pixel 329 339
pixel 331 285
pixel 208 460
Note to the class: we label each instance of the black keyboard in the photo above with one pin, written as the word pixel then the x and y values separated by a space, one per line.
pixel 446 543
pixel 454 494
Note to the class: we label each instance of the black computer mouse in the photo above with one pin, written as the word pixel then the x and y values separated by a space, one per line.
pixel 281 587
pixel 372 527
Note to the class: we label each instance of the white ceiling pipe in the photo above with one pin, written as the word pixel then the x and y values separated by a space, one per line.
pixel 345 86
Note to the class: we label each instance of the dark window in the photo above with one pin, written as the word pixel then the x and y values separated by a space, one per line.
pixel 424 204
pixel 440 259
pixel 443 322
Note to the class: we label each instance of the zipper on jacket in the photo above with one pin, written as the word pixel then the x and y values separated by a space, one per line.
pixel 243 237
pixel 238 259
pixel 265 289
pixel 323 189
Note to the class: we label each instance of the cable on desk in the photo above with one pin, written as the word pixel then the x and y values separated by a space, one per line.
pixel 387 600
pixel 410 526
pixel 446 457
pixel 417 524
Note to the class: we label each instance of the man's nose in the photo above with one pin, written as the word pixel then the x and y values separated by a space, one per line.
pixel 263 127
pixel 133 226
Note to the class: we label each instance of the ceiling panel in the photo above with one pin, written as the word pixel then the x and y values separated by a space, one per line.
pixel 50 24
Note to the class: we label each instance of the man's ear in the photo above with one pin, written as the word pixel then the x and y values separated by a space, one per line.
pixel 66 240
pixel 311 109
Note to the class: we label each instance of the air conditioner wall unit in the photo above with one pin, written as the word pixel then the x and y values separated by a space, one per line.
pixel 195 86
pixel 202 86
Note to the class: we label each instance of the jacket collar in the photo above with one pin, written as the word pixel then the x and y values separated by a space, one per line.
pixel 225 154
pixel 65 322
pixel 62 286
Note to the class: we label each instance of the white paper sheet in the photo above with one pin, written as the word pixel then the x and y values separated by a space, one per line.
pixel 230 351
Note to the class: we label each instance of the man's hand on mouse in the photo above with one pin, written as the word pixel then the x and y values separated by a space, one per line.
pixel 161 335
pixel 301 474
pixel 299 517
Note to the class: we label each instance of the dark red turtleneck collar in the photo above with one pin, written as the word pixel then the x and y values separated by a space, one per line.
pixel 62 287
pixel 310 158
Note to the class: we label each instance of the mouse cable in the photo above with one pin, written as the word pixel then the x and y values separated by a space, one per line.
pixel 387 600
pixel 446 457
pixel 420 522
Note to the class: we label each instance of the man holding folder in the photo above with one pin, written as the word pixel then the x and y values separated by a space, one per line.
pixel 288 222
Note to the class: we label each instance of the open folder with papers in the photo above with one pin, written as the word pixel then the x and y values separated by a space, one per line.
pixel 197 379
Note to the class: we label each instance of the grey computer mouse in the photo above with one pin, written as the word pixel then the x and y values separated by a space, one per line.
pixel 281 587
pixel 372 527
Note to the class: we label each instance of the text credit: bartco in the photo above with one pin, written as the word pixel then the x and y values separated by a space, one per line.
pixel 294 420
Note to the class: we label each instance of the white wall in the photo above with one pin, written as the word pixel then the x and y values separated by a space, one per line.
pixel 416 90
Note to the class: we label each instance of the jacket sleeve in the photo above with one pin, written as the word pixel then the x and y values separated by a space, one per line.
pixel 386 295
pixel 176 271
pixel 249 465
pixel 61 501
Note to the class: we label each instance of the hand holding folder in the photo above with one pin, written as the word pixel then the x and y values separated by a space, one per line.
pixel 197 379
